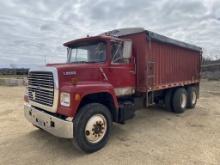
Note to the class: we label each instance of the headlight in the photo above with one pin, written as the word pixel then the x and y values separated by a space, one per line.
pixel 65 99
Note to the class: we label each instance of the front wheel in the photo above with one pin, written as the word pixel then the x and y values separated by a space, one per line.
pixel 92 127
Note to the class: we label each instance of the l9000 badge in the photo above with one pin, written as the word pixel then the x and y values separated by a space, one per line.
pixel 69 73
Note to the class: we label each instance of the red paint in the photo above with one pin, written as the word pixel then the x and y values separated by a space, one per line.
pixel 84 88
pixel 171 66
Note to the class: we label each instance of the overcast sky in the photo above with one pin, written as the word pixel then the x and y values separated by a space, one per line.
pixel 32 32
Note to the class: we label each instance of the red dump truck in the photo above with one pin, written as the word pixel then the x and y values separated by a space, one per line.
pixel 106 78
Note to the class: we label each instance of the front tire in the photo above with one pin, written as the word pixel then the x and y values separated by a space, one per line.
pixel 179 100
pixel 92 127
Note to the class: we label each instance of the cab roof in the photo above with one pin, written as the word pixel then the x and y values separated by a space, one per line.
pixel 117 33
pixel 90 39
pixel 151 36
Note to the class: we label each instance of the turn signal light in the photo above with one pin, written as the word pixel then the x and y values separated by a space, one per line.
pixel 77 97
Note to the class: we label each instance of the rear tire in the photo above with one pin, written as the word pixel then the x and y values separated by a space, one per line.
pixel 179 100
pixel 92 127
pixel 192 95
pixel 168 100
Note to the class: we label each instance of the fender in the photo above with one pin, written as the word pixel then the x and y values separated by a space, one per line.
pixel 84 89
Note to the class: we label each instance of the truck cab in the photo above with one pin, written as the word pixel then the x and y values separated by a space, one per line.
pixel 84 92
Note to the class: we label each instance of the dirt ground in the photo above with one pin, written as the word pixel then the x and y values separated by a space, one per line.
pixel 154 136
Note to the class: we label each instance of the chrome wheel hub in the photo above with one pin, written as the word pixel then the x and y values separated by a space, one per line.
pixel 194 98
pixel 96 128
pixel 183 101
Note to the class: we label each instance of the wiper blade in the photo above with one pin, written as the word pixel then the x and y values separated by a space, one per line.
pixel 93 61
pixel 78 62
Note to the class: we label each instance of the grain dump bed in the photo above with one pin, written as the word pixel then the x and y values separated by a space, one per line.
pixel 162 62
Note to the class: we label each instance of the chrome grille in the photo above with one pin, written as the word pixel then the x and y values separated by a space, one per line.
pixel 41 87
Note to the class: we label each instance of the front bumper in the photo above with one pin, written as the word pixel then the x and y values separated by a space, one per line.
pixel 54 125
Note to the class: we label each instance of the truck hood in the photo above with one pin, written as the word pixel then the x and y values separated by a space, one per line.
pixel 81 72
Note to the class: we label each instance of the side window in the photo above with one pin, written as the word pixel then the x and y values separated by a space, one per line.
pixel 117 53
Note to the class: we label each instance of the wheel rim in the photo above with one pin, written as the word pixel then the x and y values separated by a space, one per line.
pixel 183 101
pixel 193 98
pixel 96 128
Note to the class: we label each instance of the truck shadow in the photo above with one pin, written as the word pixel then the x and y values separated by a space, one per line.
pixel 47 142
pixel 144 120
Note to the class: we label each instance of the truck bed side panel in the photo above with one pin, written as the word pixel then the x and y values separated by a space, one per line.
pixel 173 65
pixel 162 65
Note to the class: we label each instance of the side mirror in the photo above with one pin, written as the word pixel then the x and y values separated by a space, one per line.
pixel 127 49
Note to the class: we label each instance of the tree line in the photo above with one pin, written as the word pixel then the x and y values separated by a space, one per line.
pixel 14 71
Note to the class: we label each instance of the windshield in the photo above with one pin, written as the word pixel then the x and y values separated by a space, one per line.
pixel 87 53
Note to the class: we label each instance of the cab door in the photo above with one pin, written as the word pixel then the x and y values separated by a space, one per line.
pixel 122 68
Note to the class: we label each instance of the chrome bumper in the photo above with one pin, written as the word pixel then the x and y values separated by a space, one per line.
pixel 54 125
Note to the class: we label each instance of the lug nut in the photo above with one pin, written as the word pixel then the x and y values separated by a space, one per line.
pixel 87 133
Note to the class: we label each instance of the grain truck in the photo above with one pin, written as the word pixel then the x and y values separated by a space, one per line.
pixel 106 78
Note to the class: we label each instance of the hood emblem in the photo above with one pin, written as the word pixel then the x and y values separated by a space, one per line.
pixel 69 73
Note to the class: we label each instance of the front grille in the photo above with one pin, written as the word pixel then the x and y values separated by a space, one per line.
pixel 41 87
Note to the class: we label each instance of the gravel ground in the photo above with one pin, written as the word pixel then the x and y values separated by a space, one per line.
pixel 154 136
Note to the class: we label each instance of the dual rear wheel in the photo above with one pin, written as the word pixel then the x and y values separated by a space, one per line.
pixel 179 99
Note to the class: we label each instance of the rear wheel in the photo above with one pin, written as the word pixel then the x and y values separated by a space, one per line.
pixel 92 127
pixel 168 100
pixel 179 100
pixel 191 97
